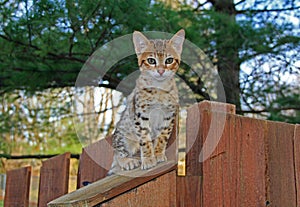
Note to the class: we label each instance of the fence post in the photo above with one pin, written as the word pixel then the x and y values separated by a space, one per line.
pixel 297 161
pixel 17 188
pixel 95 161
pixel 281 178
pixel 199 120
pixel 54 178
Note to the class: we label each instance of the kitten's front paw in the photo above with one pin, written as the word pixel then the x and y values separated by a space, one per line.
pixel 129 163
pixel 161 158
pixel 148 162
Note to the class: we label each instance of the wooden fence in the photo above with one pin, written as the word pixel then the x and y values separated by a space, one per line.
pixel 255 163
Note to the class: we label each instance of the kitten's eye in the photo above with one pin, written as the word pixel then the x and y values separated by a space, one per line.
pixel 169 60
pixel 151 61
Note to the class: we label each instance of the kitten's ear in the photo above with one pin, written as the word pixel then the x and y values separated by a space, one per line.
pixel 177 41
pixel 140 42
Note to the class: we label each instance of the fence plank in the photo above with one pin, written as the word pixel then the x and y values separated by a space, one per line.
pixel 189 190
pixel 202 120
pixel 297 160
pixel 161 191
pixel 54 178
pixel 197 129
pixel 17 188
pixel 250 151
pixel 281 172
pixel 219 169
pixel 193 142
pixel 114 185
pixel 234 174
pixel 95 161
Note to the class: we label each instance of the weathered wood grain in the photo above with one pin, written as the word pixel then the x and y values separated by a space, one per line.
pixel 280 166
pixel 159 192
pixel 250 157
pixel 205 122
pixel 54 178
pixel 95 161
pixel 17 187
pixel 199 127
pixel 189 191
pixel 297 161
pixel 109 187
pixel 234 174
pixel 216 182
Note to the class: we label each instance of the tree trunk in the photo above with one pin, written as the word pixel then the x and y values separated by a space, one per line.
pixel 228 59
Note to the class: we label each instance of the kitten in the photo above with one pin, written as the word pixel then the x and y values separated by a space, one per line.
pixel 141 135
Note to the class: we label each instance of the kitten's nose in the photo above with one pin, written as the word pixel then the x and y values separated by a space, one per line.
pixel 161 71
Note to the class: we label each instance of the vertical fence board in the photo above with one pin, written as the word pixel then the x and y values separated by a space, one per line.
pixel 189 189
pixel 204 120
pixel 297 160
pixel 54 178
pixel 250 135
pixel 193 141
pixel 17 188
pixel 219 169
pixel 231 163
pixel 281 172
pixel 234 174
pixel 212 169
pixel 197 128
pixel 95 161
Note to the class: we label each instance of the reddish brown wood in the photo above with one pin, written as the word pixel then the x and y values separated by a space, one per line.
pixel 199 126
pixel 281 172
pixel 189 191
pixel 193 141
pixel 158 192
pixel 54 178
pixel 297 160
pixel 217 185
pixel 112 186
pixel 202 121
pixel 17 188
pixel 95 161
pixel 254 163
pixel 234 174
pixel 250 156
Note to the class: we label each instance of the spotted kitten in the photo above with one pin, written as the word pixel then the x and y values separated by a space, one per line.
pixel 142 133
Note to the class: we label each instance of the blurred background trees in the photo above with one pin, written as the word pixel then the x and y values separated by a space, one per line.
pixel 45 43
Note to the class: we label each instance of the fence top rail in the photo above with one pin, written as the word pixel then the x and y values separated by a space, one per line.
pixel 109 187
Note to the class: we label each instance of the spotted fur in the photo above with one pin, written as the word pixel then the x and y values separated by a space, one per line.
pixel 141 135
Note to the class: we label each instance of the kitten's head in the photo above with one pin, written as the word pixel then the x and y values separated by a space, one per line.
pixel 158 58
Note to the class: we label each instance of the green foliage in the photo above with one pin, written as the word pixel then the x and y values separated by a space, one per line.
pixel 45 43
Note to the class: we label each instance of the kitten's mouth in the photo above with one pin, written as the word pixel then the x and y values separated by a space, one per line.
pixel 160 77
